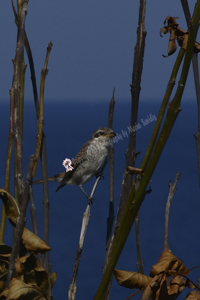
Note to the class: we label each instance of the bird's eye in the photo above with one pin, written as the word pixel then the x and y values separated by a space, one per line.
pixel 99 133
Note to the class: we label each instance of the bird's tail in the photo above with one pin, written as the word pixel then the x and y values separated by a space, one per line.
pixel 60 186
pixel 57 178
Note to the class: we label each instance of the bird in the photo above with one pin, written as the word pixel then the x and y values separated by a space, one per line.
pixel 89 162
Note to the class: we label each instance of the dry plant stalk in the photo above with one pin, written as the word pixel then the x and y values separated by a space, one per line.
pixel 86 216
pixel 110 218
pixel 172 190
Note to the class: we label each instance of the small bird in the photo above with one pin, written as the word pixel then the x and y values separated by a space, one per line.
pixel 90 160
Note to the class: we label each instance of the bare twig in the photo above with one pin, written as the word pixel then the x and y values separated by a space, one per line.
pixel 140 263
pixel 16 90
pixel 85 221
pixel 46 204
pixel 110 218
pixel 8 161
pixel 20 223
pixel 135 91
pixel 33 218
pixel 172 190
pixel 44 73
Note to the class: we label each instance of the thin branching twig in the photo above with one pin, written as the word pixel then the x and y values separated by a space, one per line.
pixel 21 220
pixel 110 218
pixel 86 216
pixel 172 190
pixel 135 92
pixel 135 199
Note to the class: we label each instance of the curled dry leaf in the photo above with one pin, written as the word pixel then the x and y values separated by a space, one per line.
pixel 177 284
pixel 167 262
pixel 131 280
pixel 132 170
pixel 11 207
pixel 172 44
pixel 34 273
pixel 33 243
pixel 5 253
pixel 149 292
pixel 52 278
pixel 26 264
pixel 21 290
pixel 176 33
pixel 193 295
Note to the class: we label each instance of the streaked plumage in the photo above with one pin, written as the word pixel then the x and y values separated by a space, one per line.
pixel 89 161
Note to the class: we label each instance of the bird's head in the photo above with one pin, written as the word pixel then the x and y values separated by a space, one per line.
pixel 103 135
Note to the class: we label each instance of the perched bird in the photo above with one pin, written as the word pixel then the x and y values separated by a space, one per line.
pixel 90 160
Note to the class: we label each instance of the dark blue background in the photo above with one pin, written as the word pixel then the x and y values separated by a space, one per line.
pixel 68 125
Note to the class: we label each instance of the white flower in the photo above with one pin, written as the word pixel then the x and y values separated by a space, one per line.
pixel 67 164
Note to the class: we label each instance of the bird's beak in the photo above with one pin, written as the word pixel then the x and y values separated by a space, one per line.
pixel 112 134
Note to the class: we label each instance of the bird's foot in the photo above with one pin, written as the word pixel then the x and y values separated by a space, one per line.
pixel 90 200
pixel 100 174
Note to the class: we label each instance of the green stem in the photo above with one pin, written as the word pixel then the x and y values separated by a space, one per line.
pixel 134 201
pixel 165 101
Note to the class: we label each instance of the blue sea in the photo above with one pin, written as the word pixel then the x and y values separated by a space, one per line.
pixel 67 126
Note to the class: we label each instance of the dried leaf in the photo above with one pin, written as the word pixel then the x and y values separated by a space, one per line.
pixel 193 295
pixel 11 207
pixel 4 294
pixel 171 21
pixel 176 33
pixel 5 253
pixel 131 280
pixel 150 291
pixel 52 278
pixel 196 47
pixel 133 170
pixel 26 264
pixel 167 262
pixel 34 273
pixel 164 30
pixel 33 243
pixel 21 290
pixel 177 284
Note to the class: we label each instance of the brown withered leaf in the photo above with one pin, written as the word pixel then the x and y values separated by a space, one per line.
pixel 4 294
pixel 52 278
pixel 172 44
pixel 193 295
pixel 177 284
pixel 21 290
pixel 150 290
pixel 34 273
pixel 168 261
pixel 33 243
pixel 5 253
pixel 11 207
pixel 26 264
pixel 131 280
pixel 133 170
pixel 171 21
pixel 175 33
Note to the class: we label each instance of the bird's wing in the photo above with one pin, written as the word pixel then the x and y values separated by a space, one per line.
pixel 80 157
